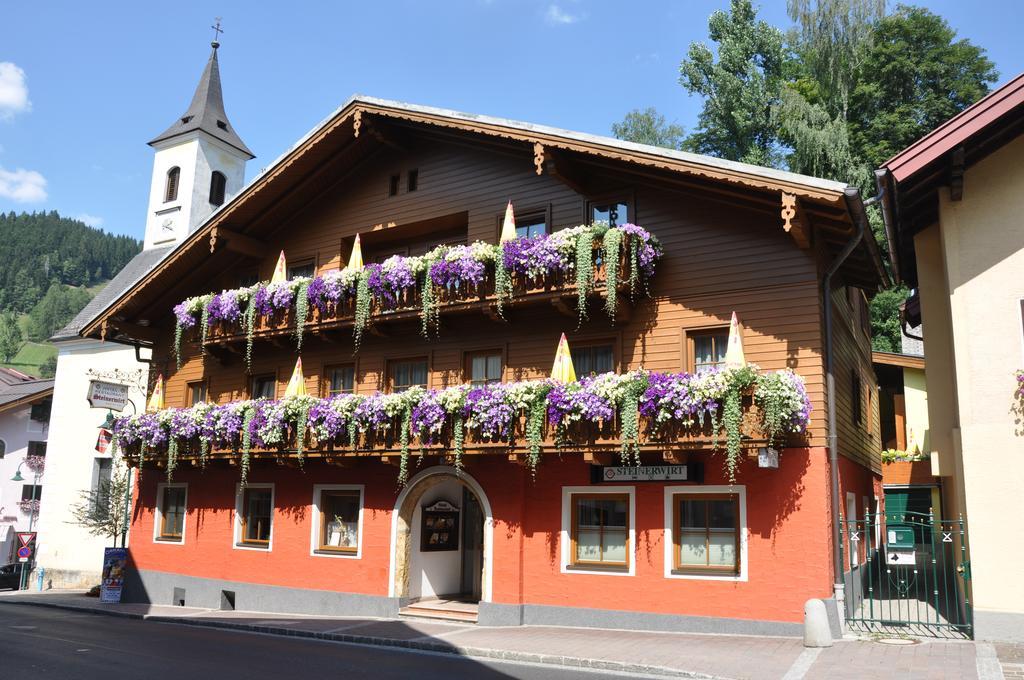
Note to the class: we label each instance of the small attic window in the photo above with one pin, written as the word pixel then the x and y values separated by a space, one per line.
pixel 222 125
pixel 393 185
pixel 413 180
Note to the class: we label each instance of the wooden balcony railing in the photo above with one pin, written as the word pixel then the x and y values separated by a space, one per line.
pixel 558 290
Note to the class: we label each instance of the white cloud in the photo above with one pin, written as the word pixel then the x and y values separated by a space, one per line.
pixel 91 220
pixel 22 186
pixel 13 90
pixel 557 16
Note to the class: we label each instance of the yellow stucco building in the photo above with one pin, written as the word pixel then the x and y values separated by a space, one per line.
pixel 954 208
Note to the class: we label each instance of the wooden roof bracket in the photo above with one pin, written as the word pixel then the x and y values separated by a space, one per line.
pixel 561 168
pixel 956 174
pixel 357 121
pixel 794 222
pixel 238 243
pixel 539 157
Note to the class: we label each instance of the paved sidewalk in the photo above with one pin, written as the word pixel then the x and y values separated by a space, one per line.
pixel 657 654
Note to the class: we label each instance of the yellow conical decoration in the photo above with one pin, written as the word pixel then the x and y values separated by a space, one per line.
pixel 563 371
pixel 508 227
pixel 280 271
pixel 355 260
pixel 156 400
pixel 297 384
pixel 734 351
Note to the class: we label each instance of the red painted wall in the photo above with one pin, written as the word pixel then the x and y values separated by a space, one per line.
pixel 789 557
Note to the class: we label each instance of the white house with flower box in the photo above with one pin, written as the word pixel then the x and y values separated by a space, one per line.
pixel 24 422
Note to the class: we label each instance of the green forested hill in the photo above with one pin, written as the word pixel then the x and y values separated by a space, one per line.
pixel 37 249
pixel 50 267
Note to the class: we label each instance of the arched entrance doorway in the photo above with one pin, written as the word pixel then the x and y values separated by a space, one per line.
pixel 441 538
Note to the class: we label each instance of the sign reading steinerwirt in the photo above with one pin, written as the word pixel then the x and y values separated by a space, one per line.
pixel 647 473
pixel 107 395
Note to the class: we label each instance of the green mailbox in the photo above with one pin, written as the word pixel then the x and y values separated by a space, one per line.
pixel 899 537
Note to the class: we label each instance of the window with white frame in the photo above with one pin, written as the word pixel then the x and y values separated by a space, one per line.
pixel 254 516
pixel 598 526
pixel 169 523
pixel 337 520
pixel 706 532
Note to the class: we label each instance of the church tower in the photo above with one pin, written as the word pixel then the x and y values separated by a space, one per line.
pixel 199 164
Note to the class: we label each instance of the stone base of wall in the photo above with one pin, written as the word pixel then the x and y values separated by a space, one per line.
pixel 157 587
pixel 493 614
pixel 999 626
pixel 64 578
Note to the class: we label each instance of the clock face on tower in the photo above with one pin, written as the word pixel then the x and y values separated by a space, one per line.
pixel 167 226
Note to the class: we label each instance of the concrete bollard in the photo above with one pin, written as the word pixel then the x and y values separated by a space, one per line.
pixel 817 632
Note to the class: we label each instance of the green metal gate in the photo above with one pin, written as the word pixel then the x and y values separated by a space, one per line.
pixel 912 574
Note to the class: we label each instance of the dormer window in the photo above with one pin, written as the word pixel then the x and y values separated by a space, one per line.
pixel 218 183
pixel 171 190
pixel 222 125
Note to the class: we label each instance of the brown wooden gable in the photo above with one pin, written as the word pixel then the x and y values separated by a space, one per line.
pixel 815 215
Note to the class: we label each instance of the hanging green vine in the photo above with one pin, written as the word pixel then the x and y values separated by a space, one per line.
pixel 172 457
pixel 732 419
pixel 428 301
pixel 300 430
pixel 502 282
pixel 584 273
pixel 250 330
pixel 629 418
pixel 363 307
pixel 535 417
pixel 612 247
pixel 458 439
pixel 403 439
pixel 204 452
pixel 301 312
pixel 204 322
pixel 353 432
pixel 634 265
pixel 178 332
pixel 246 443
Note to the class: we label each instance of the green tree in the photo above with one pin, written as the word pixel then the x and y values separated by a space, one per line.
pixel 827 45
pixel 103 511
pixel 10 336
pixel 914 76
pixel 885 319
pixel 649 127
pixel 48 369
pixel 739 88
pixel 55 310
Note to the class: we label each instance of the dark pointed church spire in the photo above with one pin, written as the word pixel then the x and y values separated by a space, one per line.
pixel 206 112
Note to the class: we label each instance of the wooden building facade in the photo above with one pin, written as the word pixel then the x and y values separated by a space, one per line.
pixel 336 534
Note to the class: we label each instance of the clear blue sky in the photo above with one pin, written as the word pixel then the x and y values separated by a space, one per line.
pixel 103 77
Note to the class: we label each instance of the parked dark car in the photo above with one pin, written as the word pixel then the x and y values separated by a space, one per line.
pixel 10 576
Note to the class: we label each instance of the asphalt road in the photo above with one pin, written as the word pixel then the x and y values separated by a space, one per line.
pixel 38 642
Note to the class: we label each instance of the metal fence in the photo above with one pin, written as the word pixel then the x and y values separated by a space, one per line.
pixel 911 576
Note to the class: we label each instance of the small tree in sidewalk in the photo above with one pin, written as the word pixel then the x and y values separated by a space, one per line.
pixel 103 510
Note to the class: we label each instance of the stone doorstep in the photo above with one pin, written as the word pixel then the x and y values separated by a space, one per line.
pixel 416 645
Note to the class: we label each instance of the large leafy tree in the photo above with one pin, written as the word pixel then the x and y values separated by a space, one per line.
pixel 914 76
pixel 647 126
pixel 826 45
pixel 739 87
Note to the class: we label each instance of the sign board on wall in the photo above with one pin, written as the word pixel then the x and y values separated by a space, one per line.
pixel 609 474
pixel 107 395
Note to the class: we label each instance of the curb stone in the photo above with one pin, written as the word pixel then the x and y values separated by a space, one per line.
pixel 412 645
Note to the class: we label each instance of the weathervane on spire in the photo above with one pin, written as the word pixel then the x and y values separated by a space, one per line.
pixel 217 30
